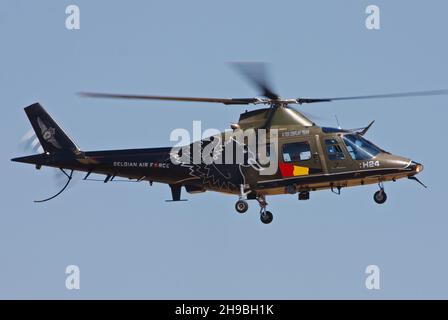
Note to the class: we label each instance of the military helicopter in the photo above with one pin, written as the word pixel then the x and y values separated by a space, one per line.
pixel 309 157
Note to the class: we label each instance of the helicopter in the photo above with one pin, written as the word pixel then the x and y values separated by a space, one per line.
pixel 308 157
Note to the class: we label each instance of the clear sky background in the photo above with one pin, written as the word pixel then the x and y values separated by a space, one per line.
pixel 130 243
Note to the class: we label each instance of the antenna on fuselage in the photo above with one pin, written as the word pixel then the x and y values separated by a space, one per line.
pixel 337 122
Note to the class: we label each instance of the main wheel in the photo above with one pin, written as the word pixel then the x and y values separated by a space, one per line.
pixel 241 206
pixel 380 197
pixel 266 217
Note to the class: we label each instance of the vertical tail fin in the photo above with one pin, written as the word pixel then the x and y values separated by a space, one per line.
pixel 52 138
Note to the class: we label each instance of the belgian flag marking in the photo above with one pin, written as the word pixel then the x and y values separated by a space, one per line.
pixel 290 170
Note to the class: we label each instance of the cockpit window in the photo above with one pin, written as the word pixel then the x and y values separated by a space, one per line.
pixel 334 151
pixel 359 148
pixel 332 130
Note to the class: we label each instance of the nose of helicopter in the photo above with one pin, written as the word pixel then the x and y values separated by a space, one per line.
pixel 409 165
pixel 402 163
pixel 416 167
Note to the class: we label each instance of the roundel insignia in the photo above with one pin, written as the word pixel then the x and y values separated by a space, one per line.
pixel 48 134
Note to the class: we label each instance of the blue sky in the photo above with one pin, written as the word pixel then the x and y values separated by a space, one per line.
pixel 130 243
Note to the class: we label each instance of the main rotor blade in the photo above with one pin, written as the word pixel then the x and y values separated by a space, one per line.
pixel 256 73
pixel 379 96
pixel 226 101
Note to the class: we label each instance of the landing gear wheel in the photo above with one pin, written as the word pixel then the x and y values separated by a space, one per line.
pixel 241 206
pixel 266 217
pixel 380 197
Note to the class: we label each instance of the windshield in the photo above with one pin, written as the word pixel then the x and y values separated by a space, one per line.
pixel 359 148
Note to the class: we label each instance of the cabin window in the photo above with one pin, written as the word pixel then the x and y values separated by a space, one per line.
pixel 297 151
pixel 334 150
pixel 359 148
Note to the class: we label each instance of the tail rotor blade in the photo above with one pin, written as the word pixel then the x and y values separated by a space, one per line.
pixel 27 136
pixel 35 144
pixel 30 143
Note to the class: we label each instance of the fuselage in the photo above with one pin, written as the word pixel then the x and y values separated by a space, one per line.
pixel 296 156
pixel 308 159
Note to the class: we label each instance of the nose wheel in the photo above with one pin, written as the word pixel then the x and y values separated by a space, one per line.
pixel 380 196
pixel 241 206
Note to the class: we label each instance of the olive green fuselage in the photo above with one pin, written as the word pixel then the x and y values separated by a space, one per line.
pixel 308 158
